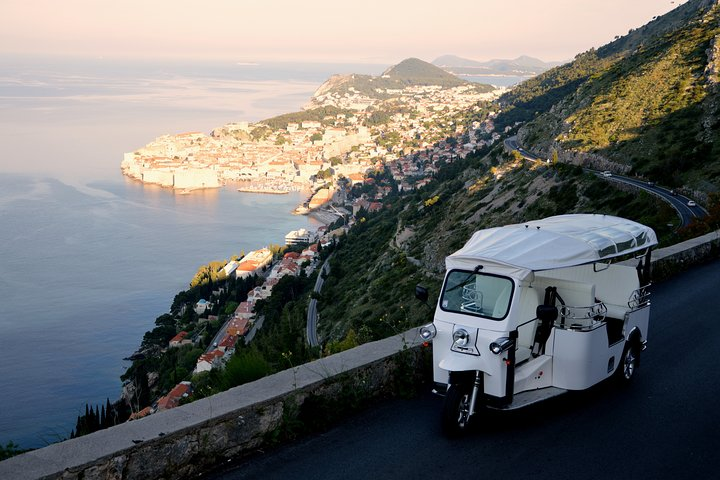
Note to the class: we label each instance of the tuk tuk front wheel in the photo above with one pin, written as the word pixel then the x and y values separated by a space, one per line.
pixel 456 413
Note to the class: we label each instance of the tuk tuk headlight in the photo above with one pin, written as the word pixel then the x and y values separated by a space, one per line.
pixel 501 345
pixel 428 332
pixel 461 337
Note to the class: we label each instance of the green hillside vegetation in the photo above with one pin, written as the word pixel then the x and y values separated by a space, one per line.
pixel 651 108
pixel 8 450
pixel 539 94
pixel 368 294
pixel 648 100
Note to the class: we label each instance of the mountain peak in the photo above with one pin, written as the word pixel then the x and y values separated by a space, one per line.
pixel 413 71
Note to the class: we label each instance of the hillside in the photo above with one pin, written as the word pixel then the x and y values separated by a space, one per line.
pixel 648 101
pixel 413 71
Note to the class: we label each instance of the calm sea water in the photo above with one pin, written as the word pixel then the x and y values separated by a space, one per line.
pixel 89 259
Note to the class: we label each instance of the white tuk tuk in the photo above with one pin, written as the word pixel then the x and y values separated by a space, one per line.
pixel 533 310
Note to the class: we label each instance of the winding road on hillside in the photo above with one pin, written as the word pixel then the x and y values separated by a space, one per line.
pixel 312 315
pixel 512 144
pixel 679 202
pixel 684 206
pixel 663 426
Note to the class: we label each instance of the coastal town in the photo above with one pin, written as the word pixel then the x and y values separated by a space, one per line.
pixel 400 131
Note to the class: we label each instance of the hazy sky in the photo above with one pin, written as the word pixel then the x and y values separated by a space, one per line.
pixel 378 31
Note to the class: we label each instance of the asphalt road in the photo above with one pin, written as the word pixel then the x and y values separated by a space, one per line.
pixel 664 426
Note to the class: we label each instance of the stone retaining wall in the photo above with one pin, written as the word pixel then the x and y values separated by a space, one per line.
pixel 197 437
pixel 671 260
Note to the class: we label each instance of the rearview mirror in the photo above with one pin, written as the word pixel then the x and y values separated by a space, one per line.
pixel 421 293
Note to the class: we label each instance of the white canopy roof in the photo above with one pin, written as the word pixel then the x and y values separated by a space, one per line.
pixel 554 242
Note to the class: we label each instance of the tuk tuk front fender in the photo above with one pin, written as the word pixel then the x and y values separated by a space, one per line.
pixel 493 368
pixel 461 363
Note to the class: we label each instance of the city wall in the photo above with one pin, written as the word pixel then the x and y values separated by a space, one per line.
pixel 197 437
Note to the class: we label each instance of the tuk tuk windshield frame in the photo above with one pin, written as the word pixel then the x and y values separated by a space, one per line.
pixel 479 294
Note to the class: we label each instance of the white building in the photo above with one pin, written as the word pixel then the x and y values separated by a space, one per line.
pixel 202 306
pixel 298 237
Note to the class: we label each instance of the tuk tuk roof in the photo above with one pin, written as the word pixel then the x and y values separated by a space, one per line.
pixel 553 242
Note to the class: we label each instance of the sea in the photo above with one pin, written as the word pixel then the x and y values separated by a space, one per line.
pixel 88 257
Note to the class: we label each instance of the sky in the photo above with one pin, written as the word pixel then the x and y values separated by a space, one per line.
pixel 360 31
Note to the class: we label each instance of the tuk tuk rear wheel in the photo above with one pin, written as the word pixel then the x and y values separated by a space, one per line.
pixel 629 363
pixel 456 410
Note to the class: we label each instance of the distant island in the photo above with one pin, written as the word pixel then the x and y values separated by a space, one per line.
pixel 352 124
pixel 522 66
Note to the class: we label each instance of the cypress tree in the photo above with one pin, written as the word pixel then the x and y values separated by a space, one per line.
pixel 110 414
pixel 80 427
pixel 92 420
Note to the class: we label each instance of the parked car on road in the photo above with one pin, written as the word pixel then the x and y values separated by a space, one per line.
pixel 606 174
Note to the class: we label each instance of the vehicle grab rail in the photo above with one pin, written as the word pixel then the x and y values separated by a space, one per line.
pixel 581 317
pixel 639 298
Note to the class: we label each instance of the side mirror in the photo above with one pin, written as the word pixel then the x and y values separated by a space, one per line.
pixel 421 293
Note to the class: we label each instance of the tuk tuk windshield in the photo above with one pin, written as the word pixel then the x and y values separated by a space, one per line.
pixel 480 294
